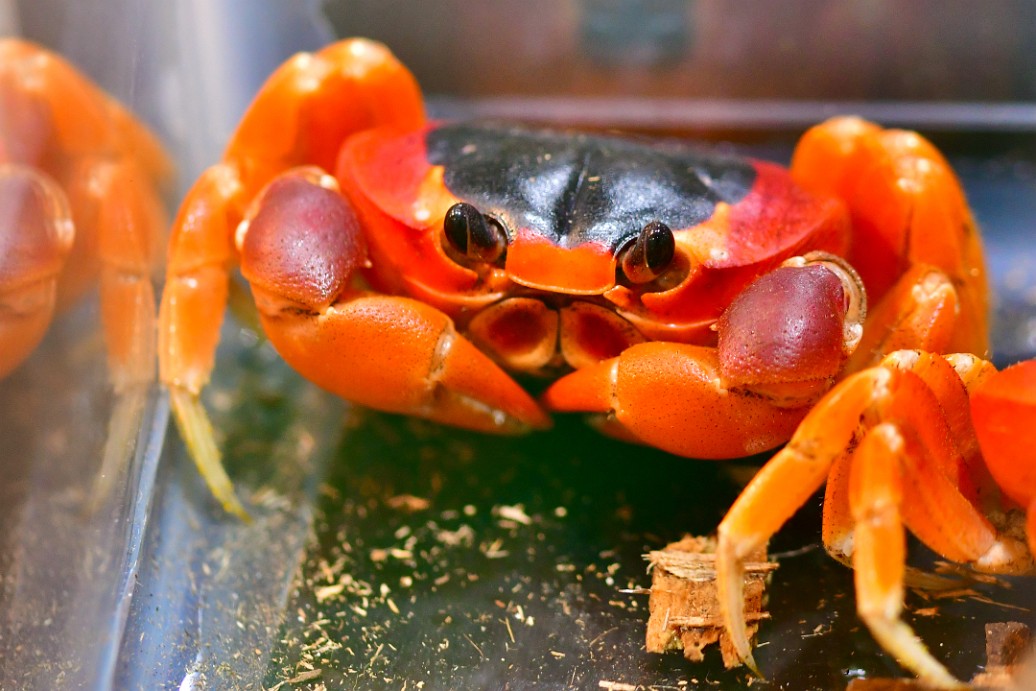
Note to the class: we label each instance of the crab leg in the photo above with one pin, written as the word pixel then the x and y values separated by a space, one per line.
pixel 300 116
pixel 312 102
pixel 129 219
pixel 880 551
pixel 907 208
pixel 1003 405
pixel 907 399
pixel 919 312
pixel 783 485
pixel 948 378
pixel 894 482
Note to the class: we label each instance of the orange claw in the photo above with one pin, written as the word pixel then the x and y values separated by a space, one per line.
pixel 400 355
pixel 670 396
pixel 386 352
pixel 747 394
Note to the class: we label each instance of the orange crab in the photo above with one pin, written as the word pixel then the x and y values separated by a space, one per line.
pixel 80 194
pixel 699 303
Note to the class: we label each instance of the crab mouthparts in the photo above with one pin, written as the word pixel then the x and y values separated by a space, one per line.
pixel 525 334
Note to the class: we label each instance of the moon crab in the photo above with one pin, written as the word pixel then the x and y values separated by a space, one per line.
pixel 710 305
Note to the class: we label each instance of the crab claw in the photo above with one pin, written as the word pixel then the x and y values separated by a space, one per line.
pixel 35 238
pixel 299 253
pixel 670 395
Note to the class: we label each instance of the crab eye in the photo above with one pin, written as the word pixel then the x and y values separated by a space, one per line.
pixel 476 236
pixel 650 253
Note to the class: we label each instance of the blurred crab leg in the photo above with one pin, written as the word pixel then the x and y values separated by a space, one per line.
pixel 36 234
pixel 386 352
pixel 876 488
pixel 671 396
pixel 55 106
pixel 51 105
pixel 1004 410
pixel 130 220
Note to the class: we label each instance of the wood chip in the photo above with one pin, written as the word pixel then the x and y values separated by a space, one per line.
pixel 408 503
pixel 1007 647
pixel 683 608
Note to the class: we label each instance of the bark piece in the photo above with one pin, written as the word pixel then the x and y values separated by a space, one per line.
pixel 683 609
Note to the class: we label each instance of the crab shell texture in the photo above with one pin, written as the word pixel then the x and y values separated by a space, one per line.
pixel 570 202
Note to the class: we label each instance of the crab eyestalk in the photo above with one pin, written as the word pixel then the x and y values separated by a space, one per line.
pixel 649 254
pixel 478 237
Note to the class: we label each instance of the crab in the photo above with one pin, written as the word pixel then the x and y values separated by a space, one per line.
pixel 81 184
pixel 697 302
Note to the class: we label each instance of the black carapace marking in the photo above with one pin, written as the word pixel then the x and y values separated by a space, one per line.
pixel 575 188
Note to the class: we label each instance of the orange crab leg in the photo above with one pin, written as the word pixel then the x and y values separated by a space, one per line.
pixel 55 120
pixel 312 102
pixel 300 116
pixel 837 521
pixel 783 485
pixel 947 378
pixel 907 209
pixel 130 218
pixel 798 470
pixel 880 551
pixel 894 482
pixel 920 311
pixel 1003 405
pixel 1004 410
pixel 907 395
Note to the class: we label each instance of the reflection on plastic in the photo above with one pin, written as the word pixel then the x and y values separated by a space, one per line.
pixel 81 183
